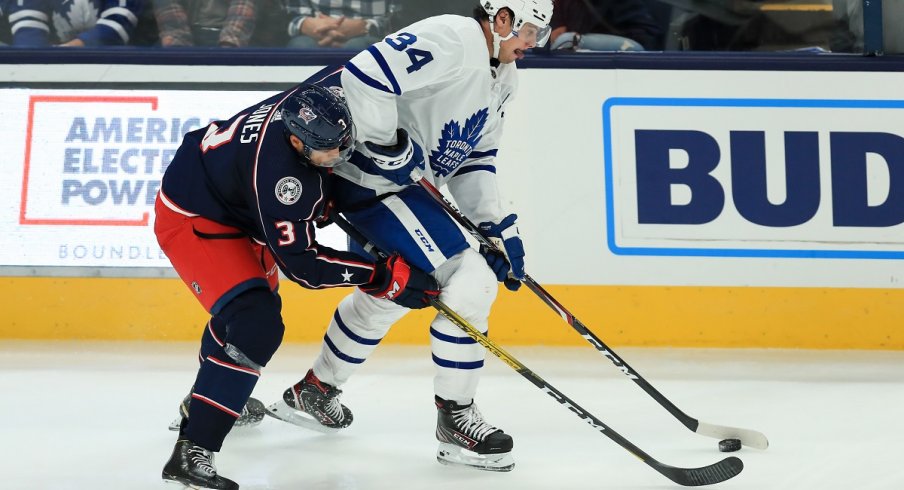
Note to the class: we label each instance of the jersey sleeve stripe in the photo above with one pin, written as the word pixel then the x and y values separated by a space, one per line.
pixel 476 168
pixel 354 70
pixel 116 27
pixel 378 56
pixel 481 154
pixel 35 14
pixel 22 24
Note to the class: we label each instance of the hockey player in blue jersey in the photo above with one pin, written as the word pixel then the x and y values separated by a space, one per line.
pixel 239 202
pixel 428 101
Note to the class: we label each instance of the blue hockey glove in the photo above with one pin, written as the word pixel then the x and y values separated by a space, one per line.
pixel 402 163
pixel 506 238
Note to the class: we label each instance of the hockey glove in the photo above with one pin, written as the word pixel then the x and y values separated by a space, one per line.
pixel 506 238
pixel 395 280
pixel 402 163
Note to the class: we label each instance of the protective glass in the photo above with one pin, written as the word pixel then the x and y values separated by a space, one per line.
pixel 532 34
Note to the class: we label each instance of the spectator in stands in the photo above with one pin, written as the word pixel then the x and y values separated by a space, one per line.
pixel 27 21
pixel 225 23
pixel 72 23
pixel 849 37
pixel 603 25
pixel 410 11
pixel 347 24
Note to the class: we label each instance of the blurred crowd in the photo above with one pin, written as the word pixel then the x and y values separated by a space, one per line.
pixel 578 25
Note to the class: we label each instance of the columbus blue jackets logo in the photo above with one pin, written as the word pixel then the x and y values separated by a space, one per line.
pixel 307 114
pixel 288 190
pixel 457 142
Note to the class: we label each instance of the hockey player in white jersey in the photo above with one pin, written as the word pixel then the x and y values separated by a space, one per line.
pixel 428 101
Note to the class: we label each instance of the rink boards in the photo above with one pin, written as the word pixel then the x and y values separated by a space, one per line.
pixel 163 309
pixel 750 207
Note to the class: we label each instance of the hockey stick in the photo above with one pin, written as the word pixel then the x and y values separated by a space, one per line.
pixel 690 477
pixel 747 437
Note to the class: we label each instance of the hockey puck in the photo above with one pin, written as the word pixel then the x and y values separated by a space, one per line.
pixel 729 445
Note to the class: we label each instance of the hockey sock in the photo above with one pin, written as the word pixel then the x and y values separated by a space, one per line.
pixel 221 390
pixel 212 338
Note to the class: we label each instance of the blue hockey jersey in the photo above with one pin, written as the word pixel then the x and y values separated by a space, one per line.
pixel 242 172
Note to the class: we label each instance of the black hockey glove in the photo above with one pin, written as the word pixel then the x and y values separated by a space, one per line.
pixel 404 285
pixel 402 163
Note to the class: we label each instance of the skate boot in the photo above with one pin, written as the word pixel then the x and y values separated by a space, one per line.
pixel 251 416
pixel 314 405
pixel 465 439
pixel 192 466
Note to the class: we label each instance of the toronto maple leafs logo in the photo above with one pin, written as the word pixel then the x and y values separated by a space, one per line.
pixel 456 142
pixel 72 17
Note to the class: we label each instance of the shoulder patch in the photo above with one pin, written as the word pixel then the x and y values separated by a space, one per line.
pixel 288 190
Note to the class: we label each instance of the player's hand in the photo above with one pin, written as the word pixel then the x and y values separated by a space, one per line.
pixel 509 269
pixel 352 28
pixel 404 285
pixel 320 26
pixel 75 43
pixel 401 163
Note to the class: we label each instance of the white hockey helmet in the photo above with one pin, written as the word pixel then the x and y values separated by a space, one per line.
pixel 531 18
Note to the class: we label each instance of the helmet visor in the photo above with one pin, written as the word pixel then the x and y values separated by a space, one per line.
pixel 533 34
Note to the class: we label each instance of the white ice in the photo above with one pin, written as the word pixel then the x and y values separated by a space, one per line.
pixel 80 415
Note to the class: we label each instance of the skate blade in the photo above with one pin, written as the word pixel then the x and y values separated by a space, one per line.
pixel 282 411
pixel 451 455
pixel 186 486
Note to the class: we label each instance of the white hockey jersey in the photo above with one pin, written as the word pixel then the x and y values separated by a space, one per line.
pixel 434 79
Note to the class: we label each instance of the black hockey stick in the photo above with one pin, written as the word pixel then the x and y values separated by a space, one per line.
pixel 747 437
pixel 690 477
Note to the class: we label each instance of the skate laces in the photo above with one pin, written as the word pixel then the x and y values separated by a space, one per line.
pixel 470 421
pixel 327 396
pixel 333 407
pixel 203 459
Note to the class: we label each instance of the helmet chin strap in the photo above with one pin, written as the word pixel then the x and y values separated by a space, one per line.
pixel 497 39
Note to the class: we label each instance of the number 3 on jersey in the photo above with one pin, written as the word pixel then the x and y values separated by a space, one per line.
pixel 216 137
pixel 418 57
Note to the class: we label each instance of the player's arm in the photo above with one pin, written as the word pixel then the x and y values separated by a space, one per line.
pixel 28 22
pixel 290 235
pixel 114 25
pixel 289 207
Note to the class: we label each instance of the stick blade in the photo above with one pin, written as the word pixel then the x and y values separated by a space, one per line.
pixel 708 475
pixel 749 438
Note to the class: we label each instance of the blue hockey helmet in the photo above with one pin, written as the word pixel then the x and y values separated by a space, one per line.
pixel 320 118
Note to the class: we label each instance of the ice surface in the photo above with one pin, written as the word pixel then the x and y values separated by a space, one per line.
pixel 79 415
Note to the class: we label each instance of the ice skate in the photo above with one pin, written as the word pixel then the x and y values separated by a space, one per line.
pixel 251 416
pixel 465 439
pixel 192 467
pixel 314 405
